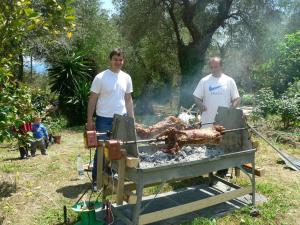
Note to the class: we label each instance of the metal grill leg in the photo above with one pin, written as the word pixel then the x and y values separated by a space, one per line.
pixel 138 205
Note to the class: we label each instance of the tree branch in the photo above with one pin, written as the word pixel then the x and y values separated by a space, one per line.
pixel 170 9
pixel 187 18
pixel 224 8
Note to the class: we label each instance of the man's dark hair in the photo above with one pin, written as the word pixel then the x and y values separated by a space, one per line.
pixel 116 51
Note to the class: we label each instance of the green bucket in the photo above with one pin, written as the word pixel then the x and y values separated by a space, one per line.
pixel 87 213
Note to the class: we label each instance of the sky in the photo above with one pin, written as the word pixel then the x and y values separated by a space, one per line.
pixel 38 66
pixel 107 4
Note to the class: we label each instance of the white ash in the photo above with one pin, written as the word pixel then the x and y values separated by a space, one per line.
pixel 186 154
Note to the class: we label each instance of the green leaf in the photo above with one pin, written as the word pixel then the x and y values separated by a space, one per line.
pixel 28 11
pixel 70 18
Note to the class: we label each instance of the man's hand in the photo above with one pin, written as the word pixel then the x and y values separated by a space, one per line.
pixel 90 125
pixel 235 102
pixel 200 104
pixel 202 107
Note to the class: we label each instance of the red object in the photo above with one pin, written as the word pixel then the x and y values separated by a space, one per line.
pixel 24 128
pixel 108 212
pixel 114 149
pixel 57 139
pixel 90 138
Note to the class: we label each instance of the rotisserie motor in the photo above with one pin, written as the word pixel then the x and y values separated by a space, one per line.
pixel 175 138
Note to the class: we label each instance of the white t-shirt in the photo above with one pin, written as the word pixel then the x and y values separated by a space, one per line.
pixel 111 88
pixel 215 92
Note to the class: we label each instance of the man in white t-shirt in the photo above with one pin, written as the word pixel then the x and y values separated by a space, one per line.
pixel 214 90
pixel 110 94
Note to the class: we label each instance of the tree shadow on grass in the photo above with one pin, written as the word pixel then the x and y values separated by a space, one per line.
pixel 6 189
pixel 74 191
pixel 282 162
pixel 189 182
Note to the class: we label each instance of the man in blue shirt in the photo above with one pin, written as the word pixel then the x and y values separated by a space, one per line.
pixel 40 133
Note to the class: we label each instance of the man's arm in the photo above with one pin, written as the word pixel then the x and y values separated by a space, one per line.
pixel 199 103
pixel 129 105
pixel 90 110
pixel 235 102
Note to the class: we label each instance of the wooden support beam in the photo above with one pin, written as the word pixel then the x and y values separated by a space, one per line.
pixel 258 171
pixel 132 162
pixel 100 156
pixel 129 197
pixel 121 178
pixel 237 172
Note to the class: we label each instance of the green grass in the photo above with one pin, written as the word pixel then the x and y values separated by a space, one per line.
pixel 34 191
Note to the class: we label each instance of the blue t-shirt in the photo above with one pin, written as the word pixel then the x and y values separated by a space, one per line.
pixel 39 131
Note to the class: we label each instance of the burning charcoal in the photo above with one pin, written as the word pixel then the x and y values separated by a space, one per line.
pixel 183 154
pixel 177 159
pixel 188 149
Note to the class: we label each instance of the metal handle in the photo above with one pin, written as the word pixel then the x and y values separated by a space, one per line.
pixel 275 148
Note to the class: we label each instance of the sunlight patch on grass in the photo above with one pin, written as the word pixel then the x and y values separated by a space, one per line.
pixel 11 167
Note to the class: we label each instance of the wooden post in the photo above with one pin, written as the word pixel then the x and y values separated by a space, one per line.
pixel 132 162
pixel 121 178
pixel 100 165
pixel 237 171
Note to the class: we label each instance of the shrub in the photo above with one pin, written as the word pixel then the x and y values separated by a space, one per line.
pixel 70 76
pixel 289 105
pixel 54 125
pixel 247 99
pixel 265 102
pixel 42 100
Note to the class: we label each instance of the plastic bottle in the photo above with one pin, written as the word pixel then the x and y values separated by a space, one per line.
pixel 80 170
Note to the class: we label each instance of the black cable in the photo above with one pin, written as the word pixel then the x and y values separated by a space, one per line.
pixel 100 192
pixel 90 156
pixel 81 196
pixel 87 172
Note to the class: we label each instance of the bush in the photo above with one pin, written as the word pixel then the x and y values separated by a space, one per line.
pixel 265 102
pixel 282 68
pixel 289 105
pixel 288 109
pixel 70 77
pixel 55 125
pixel 248 99
pixel 15 108
pixel 42 100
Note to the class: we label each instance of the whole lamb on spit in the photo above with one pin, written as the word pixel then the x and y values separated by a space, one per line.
pixel 175 133
pixel 175 139
pixel 152 131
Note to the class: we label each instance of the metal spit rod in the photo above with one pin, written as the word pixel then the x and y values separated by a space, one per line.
pixel 157 140
pixel 291 162
pixel 236 129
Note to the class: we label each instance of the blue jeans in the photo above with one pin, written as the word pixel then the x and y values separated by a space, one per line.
pixel 103 124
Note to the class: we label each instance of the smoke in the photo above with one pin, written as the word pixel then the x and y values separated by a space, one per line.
pixel 250 40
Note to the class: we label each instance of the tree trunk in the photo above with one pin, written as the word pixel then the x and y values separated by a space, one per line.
pixel 192 56
pixel 192 61
pixel 21 68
